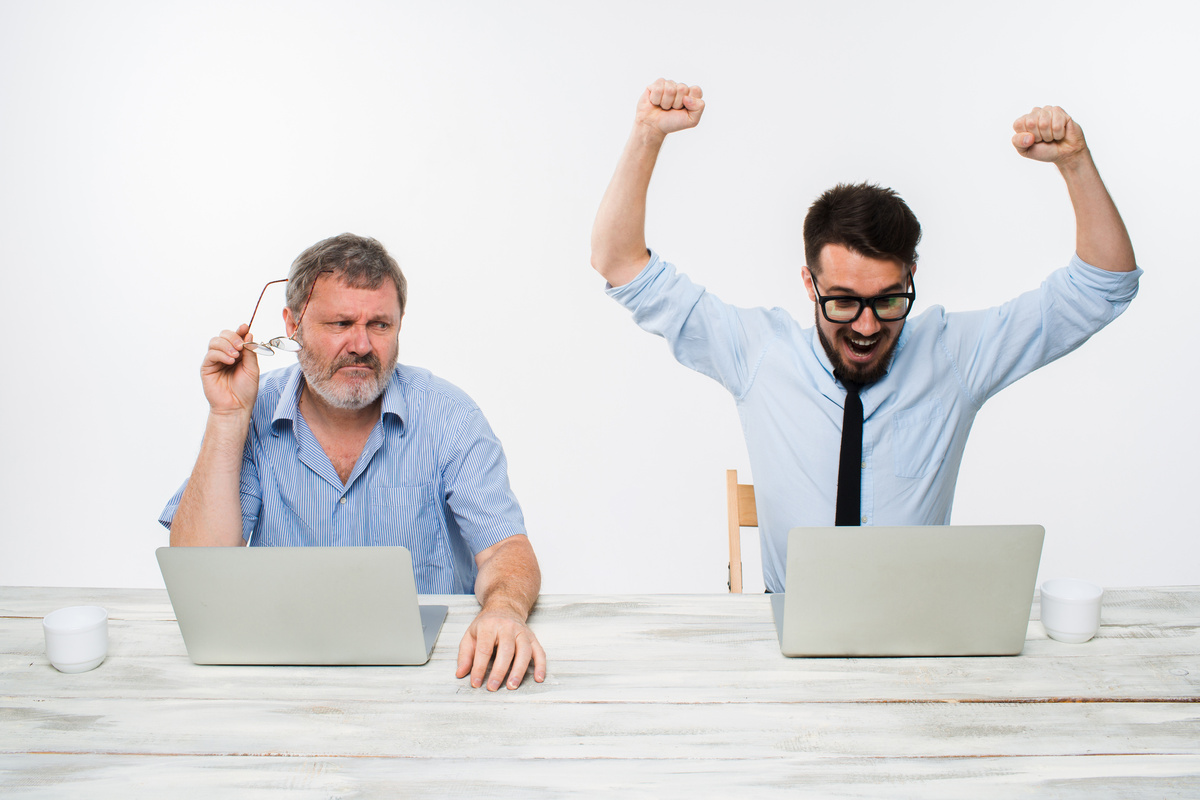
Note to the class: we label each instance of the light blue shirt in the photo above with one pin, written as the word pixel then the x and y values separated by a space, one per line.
pixel 432 477
pixel 915 419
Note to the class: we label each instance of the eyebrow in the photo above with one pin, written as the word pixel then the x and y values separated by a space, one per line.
pixel 354 318
pixel 895 288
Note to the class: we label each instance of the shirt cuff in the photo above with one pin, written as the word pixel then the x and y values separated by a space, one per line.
pixel 648 273
pixel 1118 286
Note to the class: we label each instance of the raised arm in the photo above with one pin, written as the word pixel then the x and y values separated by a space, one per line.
pixel 1049 134
pixel 619 232
pixel 210 511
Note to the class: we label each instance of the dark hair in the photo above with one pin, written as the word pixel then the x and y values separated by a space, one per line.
pixel 870 220
pixel 360 261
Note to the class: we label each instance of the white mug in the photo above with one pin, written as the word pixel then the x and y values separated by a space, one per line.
pixel 1071 609
pixel 76 637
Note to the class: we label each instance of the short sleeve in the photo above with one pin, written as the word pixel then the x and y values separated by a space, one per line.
pixel 478 494
pixel 250 495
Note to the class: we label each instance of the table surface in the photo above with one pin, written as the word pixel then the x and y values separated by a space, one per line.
pixel 647 696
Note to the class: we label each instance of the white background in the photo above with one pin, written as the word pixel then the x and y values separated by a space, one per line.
pixel 159 162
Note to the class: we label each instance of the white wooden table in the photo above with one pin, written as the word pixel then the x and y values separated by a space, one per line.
pixel 647 696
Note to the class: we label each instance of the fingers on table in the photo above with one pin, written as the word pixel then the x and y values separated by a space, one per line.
pixel 523 649
pixel 509 649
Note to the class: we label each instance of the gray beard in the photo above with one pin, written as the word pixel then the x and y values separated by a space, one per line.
pixel 348 398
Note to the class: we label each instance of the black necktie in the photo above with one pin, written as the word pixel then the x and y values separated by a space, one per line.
pixel 849 494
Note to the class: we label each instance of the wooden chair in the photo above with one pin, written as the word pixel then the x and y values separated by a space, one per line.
pixel 742 514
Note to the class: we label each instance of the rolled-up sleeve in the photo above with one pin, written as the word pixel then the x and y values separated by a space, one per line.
pixel 705 334
pixel 995 347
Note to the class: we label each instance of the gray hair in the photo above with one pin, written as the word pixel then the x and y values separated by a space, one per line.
pixel 359 261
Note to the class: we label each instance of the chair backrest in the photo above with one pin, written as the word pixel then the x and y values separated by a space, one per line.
pixel 742 514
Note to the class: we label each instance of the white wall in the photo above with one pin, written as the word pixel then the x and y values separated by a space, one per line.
pixel 159 162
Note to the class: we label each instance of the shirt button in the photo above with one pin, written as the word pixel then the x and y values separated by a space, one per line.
pixel 864 519
pixel 342 501
pixel 862 465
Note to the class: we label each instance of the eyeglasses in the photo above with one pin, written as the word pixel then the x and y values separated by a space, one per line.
pixel 844 309
pixel 287 343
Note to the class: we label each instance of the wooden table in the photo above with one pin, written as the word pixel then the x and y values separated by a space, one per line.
pixel 647 696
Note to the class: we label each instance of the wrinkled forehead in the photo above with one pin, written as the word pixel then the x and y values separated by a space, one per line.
pixel 340 292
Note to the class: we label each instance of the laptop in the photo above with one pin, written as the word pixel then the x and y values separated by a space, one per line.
pixel 299 605
pixel 962 590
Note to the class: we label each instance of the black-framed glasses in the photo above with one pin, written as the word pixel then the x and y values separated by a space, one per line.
pixel 287 343
pixel 846 308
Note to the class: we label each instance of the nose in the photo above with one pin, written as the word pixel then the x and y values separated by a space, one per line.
pixel 866 324
pixel 359 343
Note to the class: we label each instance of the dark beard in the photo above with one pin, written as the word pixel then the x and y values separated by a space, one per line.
pixel 854 372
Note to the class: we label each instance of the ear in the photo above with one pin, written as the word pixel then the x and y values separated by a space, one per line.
pixel 289 324
pixel 808 283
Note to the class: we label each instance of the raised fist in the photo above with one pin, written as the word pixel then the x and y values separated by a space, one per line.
pixel 667 106
pixel 1048 134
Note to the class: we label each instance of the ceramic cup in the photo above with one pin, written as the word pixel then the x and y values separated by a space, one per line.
pixel 1071 609
pixel 76 637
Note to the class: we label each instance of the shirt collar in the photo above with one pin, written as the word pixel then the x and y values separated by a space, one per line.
pixel 289 400
pixel 394 405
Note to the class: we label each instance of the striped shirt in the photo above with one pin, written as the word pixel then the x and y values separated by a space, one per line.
pixel 432 477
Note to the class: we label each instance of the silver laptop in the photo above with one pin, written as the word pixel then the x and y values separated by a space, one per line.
pixel 299 605
pixel 939 590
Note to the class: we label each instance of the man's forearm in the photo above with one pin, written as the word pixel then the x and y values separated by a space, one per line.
pixel 1100 236
pixel 619 232
pixel 510 579
pixel 210 511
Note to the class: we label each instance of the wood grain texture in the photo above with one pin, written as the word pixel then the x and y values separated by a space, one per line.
pixel 647 696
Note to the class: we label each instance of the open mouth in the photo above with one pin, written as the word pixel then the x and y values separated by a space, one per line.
pixel 861 348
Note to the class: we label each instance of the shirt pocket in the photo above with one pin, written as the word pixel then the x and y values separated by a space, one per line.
pixel 916 433
pixel 409 516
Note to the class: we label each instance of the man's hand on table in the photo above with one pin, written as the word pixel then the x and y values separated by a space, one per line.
pixel 507 587
pixel 501 631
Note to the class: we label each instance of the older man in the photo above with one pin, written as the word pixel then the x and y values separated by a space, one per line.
pixel 350 448
pixel 863 417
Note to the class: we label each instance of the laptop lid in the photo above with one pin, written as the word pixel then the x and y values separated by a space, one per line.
pixel 299 605
pixel 908 591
